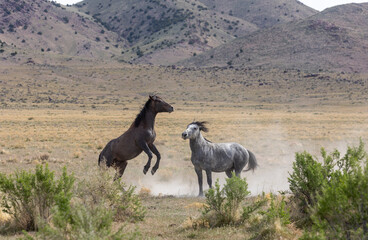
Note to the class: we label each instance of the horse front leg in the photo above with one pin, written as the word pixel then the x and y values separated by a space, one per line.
pixel 209 178
pixel 158 155
pixel 200 181
pixel 143 145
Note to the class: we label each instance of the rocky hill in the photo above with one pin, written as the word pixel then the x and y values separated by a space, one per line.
pixel 335 39
pixel 265 13
pixel 164 32
pixel 39 27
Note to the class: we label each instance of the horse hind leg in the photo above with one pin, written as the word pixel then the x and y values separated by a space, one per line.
pixel 120 168
pixel 229 173
pixel 209 178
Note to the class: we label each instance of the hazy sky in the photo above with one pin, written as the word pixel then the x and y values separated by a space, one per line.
pixel 316 4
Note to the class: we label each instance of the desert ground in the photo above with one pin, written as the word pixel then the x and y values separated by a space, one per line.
pixel 65 114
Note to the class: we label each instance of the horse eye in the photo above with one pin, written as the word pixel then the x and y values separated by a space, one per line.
pixel 195 128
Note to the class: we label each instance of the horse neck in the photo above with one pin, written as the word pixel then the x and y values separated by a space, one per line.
pixel 198 143
pixel 149 120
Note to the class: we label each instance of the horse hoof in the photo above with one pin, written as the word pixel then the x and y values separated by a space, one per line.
pixel 144 171
pixel 153 171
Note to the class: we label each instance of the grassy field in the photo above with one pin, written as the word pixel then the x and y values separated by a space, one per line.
pixel 268 113
pixel 75 137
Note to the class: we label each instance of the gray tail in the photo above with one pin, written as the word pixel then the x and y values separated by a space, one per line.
pixel 252 164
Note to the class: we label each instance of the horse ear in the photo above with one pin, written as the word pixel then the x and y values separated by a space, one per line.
pixel 153 97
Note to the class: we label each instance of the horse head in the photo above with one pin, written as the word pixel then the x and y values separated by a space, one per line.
pixel 160 105
pixel 194 129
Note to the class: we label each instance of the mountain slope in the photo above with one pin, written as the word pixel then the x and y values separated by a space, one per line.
pixel 265 13
pixel 163 32
pixel 43 27
pixel 335 39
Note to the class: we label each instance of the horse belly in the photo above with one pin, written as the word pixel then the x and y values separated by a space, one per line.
pixel 222 166
pixel 221 160
pixel 126 151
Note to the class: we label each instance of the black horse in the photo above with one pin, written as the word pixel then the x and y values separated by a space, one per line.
pixel 139 137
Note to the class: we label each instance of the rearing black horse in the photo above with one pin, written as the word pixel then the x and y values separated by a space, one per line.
pixel 139 137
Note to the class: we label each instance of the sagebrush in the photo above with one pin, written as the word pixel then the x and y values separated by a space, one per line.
pixel 29 197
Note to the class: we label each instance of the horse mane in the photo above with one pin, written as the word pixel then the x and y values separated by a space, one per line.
pixel 207 139
pixel 201 125
pixel 142 114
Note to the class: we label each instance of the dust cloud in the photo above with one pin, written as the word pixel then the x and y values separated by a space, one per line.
pixel 275 152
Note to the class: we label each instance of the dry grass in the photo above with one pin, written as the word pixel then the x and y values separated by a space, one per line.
pixel 75 137
pixel 92 104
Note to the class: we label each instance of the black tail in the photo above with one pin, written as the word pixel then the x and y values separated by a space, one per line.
pixel 101 158
pixel 106 155
pixel 252 164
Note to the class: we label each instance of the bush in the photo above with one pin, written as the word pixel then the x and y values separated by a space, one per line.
pixel 225 204
pixel 264 217
pixel 83 222
pixel 306 180
pixel 341 211
pixel 28 197
pixel 333 194
pixel 270 222
pixel 114 195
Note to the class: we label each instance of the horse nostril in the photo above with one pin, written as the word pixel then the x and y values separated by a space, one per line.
pixel 184 135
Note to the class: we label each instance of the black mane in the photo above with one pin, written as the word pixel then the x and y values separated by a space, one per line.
pixel 142 114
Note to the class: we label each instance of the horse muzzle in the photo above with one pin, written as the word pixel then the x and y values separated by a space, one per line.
pixel 184 135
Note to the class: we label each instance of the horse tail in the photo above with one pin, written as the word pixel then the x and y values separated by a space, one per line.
pixel 252 164
pixel 106 155
pixel 101 158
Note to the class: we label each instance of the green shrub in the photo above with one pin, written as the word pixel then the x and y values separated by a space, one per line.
pixel 28 197
pixel 253 207
pixel 269 219
pixel 263 217
pixel 115 196
pixel 225 204
pixel 333 193
pixel 308 178
pixel 277 210
pixel 83 222
pixel 341 211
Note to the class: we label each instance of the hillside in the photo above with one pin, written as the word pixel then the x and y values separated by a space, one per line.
pixel 265 13
pixel 334 39
pixel 163 32
pixel 43 28
pixel 140 31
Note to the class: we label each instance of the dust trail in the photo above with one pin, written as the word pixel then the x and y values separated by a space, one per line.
pixel 275 151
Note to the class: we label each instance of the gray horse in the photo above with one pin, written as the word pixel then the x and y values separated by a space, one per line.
pixel 216 157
